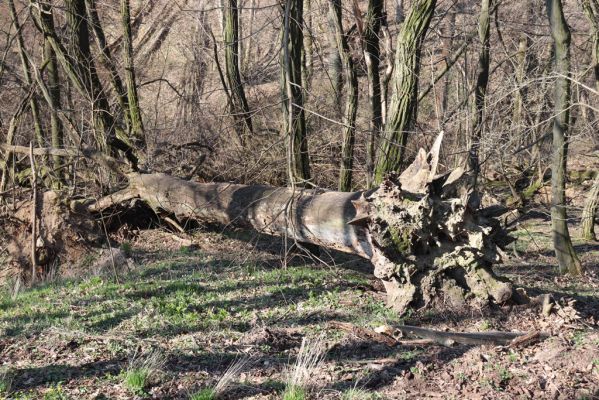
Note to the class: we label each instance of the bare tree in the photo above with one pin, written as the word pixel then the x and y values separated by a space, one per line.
pixel 298 165
pixel 372 54
pixel 137 128
pixel 54 92
pixel 482 79
pixel 240 107
pixel 351 99
pixel 562 244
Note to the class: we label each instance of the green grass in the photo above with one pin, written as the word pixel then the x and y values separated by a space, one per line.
pixel 187 293
pixel 136 380
pixel 186 302
pixel 294 392
pixel 204 394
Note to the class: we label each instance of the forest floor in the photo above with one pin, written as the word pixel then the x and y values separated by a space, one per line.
pixel 188 308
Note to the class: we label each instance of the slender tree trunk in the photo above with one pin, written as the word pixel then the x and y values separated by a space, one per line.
pixel 247 53
pixel 293 98
pixel 351 102
pixel 591 10
pixel 404 101
pixel 590 210
pixel 334 63
pixel 240 108
pixel 33 105
pixel 560 32
pixel 137 128
pixel 482 78
pixel 520 75
pixel 108 62
pixel 372 55
pixel 307 54
pixel 54 92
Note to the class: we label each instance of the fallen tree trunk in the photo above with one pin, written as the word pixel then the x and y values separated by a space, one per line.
pixel 426 244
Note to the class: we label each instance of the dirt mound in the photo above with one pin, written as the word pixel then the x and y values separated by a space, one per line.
pixel 64 236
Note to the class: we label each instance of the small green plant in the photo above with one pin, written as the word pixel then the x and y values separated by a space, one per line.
pixel 513 356
pixel 294 393
pixel 5 382
pixel 140 370
pixel 415 370
pixel 578 338
pixel 409 355
pixel 485 325
pixel 505 375
pixel 204 394
pixel 55 393
pixel 461 377
pixel 127 248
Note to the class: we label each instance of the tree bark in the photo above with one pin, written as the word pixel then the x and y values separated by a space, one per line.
pixel 426 245
pixel 589 211
pixel 240 108
pixel 480 91
pixel 402 112
pixel 137 127
pixel 351 100
pixel 298 165
pixel 372 54
pixel 560 32
pixel 57 138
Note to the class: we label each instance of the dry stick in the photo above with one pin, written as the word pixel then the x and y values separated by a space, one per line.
pixel 116 275
pixel 33 213
pixel 448 338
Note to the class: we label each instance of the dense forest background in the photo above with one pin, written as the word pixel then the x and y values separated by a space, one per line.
pixel 135 135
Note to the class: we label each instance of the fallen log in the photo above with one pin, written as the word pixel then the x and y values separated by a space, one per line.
pixel 421 231
pixel 427 245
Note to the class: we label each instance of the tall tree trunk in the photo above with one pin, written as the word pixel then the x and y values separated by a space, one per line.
pixel 54 92
pixel 298 164
pixel 480 91
pixel 372 55
pixel 404 101
pixel 33 105
pixel 240 108
pixel 351 101
pixel 560 32
pixel 108 62
pixel 589 211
